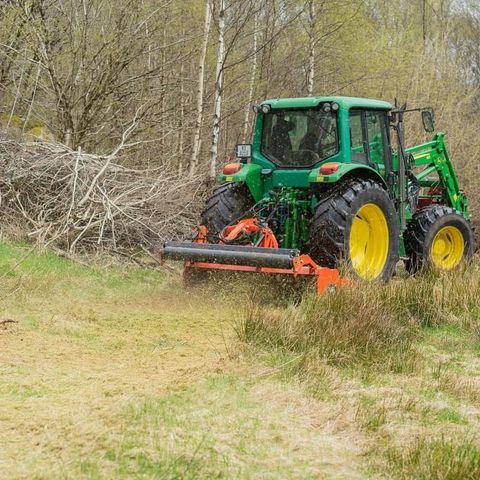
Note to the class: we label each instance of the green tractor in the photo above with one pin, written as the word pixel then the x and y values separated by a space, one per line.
pixel 329 180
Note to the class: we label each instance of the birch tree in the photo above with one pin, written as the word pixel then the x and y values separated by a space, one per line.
pixel 219 76
pixel 311 46
pixel 197 142
pixel 253 74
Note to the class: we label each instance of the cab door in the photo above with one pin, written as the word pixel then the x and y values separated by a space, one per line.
pixel 369 139
pixel 378 140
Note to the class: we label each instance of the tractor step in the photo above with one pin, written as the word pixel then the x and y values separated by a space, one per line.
pixel 230 254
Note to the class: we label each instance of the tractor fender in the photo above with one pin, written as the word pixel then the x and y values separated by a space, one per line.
pixel 345 170
pixel 249 173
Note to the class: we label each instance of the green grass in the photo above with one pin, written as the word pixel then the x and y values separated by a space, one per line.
pixel 371 414
pixel 341 328
pixel 43 270
pixel 450 415
pixel 118 372
pixel 373 324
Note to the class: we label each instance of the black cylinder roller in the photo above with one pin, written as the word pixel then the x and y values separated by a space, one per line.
pixel 230 254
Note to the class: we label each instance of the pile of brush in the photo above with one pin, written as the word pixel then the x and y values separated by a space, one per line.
pixel 78 202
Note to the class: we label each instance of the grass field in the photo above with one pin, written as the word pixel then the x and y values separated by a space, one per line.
pixel 117 372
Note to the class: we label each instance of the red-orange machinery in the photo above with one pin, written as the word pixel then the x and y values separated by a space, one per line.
pixel 265 256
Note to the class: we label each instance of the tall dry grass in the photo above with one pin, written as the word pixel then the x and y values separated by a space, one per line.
pixel 435 459
pixel 367 324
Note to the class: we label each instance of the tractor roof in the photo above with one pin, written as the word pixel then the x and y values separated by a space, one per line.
pixel 344 102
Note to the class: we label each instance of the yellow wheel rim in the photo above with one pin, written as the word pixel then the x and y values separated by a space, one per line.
pixel 369 241
pixel 447 248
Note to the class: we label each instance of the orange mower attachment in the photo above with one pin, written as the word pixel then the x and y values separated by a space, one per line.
pixel 264 257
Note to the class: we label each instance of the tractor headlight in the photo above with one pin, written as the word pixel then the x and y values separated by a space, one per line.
pixel 335 106
pixel 327 107
pixel 265 108
pixel 256 108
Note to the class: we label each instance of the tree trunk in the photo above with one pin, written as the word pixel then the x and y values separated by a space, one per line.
pixel 201 81
pixel 181 120
pixel 251 89
pixel 163 93
pixel 311 47
pixel 218 89
pixel 424 23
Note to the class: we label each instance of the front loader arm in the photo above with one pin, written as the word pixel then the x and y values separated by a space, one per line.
pixel 434 157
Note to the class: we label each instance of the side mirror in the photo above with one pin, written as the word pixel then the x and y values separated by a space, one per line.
pixel 243 151
pixel 428 121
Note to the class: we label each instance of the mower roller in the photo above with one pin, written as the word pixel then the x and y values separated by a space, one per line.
pixel 329 181
pixel 231 255
pixel 267 257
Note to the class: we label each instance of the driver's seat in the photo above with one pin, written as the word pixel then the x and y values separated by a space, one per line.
pixel 281 143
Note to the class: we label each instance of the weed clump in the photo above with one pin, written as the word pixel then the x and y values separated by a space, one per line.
pixel 437 459
pixel 343 328
pixel 367 324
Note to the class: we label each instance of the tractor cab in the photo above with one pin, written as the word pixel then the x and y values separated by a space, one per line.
pixel 343 129
pixel 304 132
pixel 294 138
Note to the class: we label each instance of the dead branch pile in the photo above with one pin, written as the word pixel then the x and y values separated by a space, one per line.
pixel 77 202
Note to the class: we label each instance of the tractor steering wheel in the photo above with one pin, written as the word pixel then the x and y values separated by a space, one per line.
pixel 326 148
pixel 314 155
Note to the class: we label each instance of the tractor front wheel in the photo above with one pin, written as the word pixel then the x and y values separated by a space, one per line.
pixel 357 223
pixel 438 237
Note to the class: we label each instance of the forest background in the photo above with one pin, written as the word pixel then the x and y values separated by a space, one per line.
pixel 167 87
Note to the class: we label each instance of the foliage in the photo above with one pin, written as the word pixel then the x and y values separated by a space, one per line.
pixel 88 69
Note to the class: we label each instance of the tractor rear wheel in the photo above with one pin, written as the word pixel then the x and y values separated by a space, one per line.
pixel 438 237
pixel 357 223
pixel 227 204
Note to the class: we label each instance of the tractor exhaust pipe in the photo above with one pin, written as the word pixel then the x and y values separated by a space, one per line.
pixel 230 254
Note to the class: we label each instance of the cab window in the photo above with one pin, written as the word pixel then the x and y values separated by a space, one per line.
pixel 357 137
pixel 299 138
pixel 376 127
pixel 368 137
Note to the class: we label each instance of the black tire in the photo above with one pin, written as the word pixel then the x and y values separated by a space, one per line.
pixel 423 229
pixel 333 219
pixel 227 204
